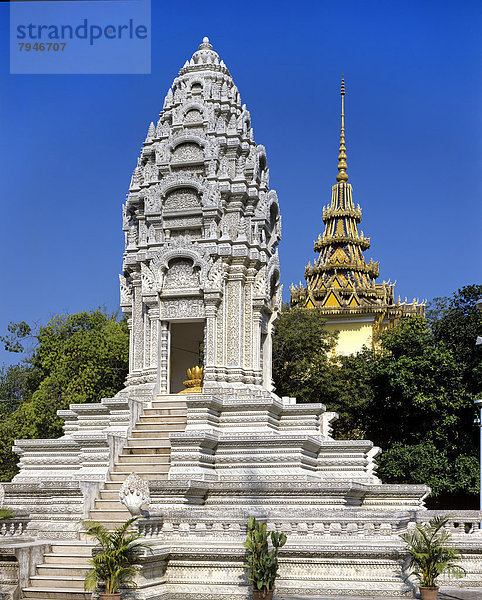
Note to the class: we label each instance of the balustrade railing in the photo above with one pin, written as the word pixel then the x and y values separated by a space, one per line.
pixel 12 528
pixel 328 527
pixel 361 526
pixel 460 522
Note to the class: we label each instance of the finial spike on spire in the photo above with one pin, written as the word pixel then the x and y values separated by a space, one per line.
pixel 205 44
pixel 342 176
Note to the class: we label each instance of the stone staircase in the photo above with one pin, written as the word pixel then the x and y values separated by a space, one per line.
pixel 62 573
pixel 147 453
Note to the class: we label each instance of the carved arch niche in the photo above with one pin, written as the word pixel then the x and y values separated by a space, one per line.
pixel 182 199
pixel 193 114
pixel 181 275
pixel 182 213
pixel 193 117
pixel 189 152
pixel 196 88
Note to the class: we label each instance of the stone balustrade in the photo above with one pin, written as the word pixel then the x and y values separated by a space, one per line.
pixel 461 522
pixel 13 528
pixel 332 525
pixel 326 527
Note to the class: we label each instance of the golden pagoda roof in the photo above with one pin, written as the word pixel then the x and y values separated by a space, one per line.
pixel 340 277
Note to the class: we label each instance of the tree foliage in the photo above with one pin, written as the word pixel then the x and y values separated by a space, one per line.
pixel 16 332
pixel 414 396
pixel 262 561
pixel 79 358
pixel 300 360
pixel 431 552
pixel 457 322
pixel 115 558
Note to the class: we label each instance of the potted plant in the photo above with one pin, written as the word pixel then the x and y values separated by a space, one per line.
pixel 114 559
pixel 431 555
pixel 6 513
pixel 261 561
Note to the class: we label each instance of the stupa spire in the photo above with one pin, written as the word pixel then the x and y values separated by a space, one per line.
pixel 341 283
pixel 342 166
pixel 205 59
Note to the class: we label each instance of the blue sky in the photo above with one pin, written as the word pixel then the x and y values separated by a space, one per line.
pixel 413 124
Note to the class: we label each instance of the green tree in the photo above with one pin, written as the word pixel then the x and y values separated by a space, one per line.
pixel 303 367
pixel 422 412
pixel 300 354
pixel 456 321
pixel 79 358
pixel 16 385
pixel 16 332
pixel 350 392
pixel 413 396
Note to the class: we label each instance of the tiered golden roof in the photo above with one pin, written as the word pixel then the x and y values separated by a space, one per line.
pixel 341 278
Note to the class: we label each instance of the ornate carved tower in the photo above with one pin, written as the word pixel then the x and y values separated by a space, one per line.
pixel 201 270
pixel 201 283
pixel 341 283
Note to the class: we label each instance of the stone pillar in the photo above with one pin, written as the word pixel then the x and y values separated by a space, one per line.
pixel 163 354
pixel 220 347
pixel 268 355
pixel 154 318
pixel 147 337
pixel 248 346
pixel 138 325
pixel 211 302
pixel 235 322
pixel 131 343
pixel 257 344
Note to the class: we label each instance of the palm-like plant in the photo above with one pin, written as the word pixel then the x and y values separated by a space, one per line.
pixel 6 513
pixel 430 552
pixel 261 561
pixel 114 559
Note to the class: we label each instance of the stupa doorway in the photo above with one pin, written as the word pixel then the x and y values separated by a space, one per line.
pixel 186 350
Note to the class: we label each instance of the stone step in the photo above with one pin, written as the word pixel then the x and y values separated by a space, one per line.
pixel 140 467
pixel 52 558
pixel 153 426
pixel 137 450
pixel 169 401
pixel 108 504
pixel 165 411
pixel 65 593
pixel 109 524
pixel 109 494
pixel 54 581
pixel 147 476
pixel 162 419
pixel 72 548
pixel 167 406
pixel 149 434
pixel 110 486
pixel 147 441
pixel 112 514
pixel 158 459
pixel 65 570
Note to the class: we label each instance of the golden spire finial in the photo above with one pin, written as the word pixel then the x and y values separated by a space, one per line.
pixel 342 166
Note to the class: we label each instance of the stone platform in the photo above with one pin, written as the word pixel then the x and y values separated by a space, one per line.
pixel 444 594
pixel 210 462
pixel 200 285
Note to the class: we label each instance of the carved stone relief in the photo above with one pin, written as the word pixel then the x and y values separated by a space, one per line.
pixel 182 308
pixel 181 274
pixel 193 116
pixel 182 199
pixel 134 494
pixel 188 152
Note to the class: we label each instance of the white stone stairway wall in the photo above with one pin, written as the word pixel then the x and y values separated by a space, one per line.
pixel 62 573
pixel 147 453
